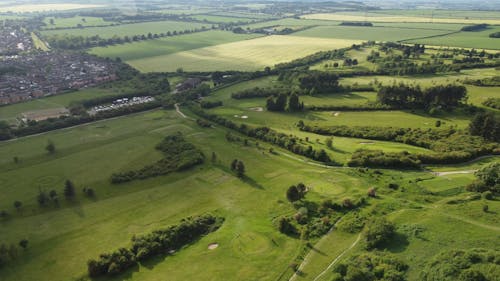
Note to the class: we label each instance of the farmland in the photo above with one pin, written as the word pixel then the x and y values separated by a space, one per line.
pixel 155 49
pixel 128 29
pixel 327 148
pixel 28 8
pixel 242 55
pixel 397 18
pixel 74 22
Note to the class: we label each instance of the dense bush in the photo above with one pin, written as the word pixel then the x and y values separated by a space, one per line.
pixel 210 104
pixel 486 125
pixel 378 158
pixel 178 154
pixel 158 242
pixel 371 267
pixel 492 102
pixel 495 35
pixel 356 23
pixel 488 179
pixel 378 233
pixel 463 265
pixel 476 27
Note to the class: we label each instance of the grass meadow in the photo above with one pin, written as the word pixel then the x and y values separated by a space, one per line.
pixel 30 8
pixel 60 22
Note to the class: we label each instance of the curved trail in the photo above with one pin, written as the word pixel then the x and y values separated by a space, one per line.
pixel 338 257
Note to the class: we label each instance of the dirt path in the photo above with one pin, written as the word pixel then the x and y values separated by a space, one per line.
pixel 178 110
pixel 440 174
pixel 338 257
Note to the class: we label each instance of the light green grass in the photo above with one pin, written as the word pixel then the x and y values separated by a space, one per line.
pixel 128 29
pixel 153 50
pixel 62 239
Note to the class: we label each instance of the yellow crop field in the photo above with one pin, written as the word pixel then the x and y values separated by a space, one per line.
pixel 391 18
pixel 45 7
pixel 250 54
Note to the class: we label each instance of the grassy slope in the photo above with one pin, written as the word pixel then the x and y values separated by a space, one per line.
pixel 479 39
pixel 61 240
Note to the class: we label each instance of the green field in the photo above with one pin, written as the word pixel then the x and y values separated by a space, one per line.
pixel 154 49
pixel 242 55
pixel 369 33
pixel 74 22
pixel 128 29
pixel 478 39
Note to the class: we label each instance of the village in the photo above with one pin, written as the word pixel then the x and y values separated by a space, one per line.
pixel 13 40
pixel 42 74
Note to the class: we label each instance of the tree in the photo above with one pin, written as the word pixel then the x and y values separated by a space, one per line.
pixel 42 198
pixel 234 164
pixel 51 148
pixel 379 231
pixel 240 169
pixel 329 143
pixel 69 189
pixel 294 103
pixel 296 192
pixel 372 192
pixel 214 157
pixel 285 226
pixel 18 205
pixel 23 243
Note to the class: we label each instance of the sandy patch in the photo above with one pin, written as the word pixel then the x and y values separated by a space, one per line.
pixel 258 109
pixel 244 117
pixel 367 142
pixel 336 114
pixel 213 246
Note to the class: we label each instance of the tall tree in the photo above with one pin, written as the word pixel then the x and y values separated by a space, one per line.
pixel 240 169
pixel 69 189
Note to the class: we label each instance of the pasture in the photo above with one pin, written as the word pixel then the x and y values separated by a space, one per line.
pixel 129 29
pixel 221 19
pixel 246 55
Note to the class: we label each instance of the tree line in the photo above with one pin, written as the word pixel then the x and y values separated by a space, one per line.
pixel 158 242
pixel 178 155
pixel 406 96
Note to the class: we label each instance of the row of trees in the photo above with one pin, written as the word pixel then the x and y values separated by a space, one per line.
pixel 409 96
pixel 158 242
pixel 10 252
pixel 283 102
pixel 486 125
pixel 178 154
pixel 378 158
